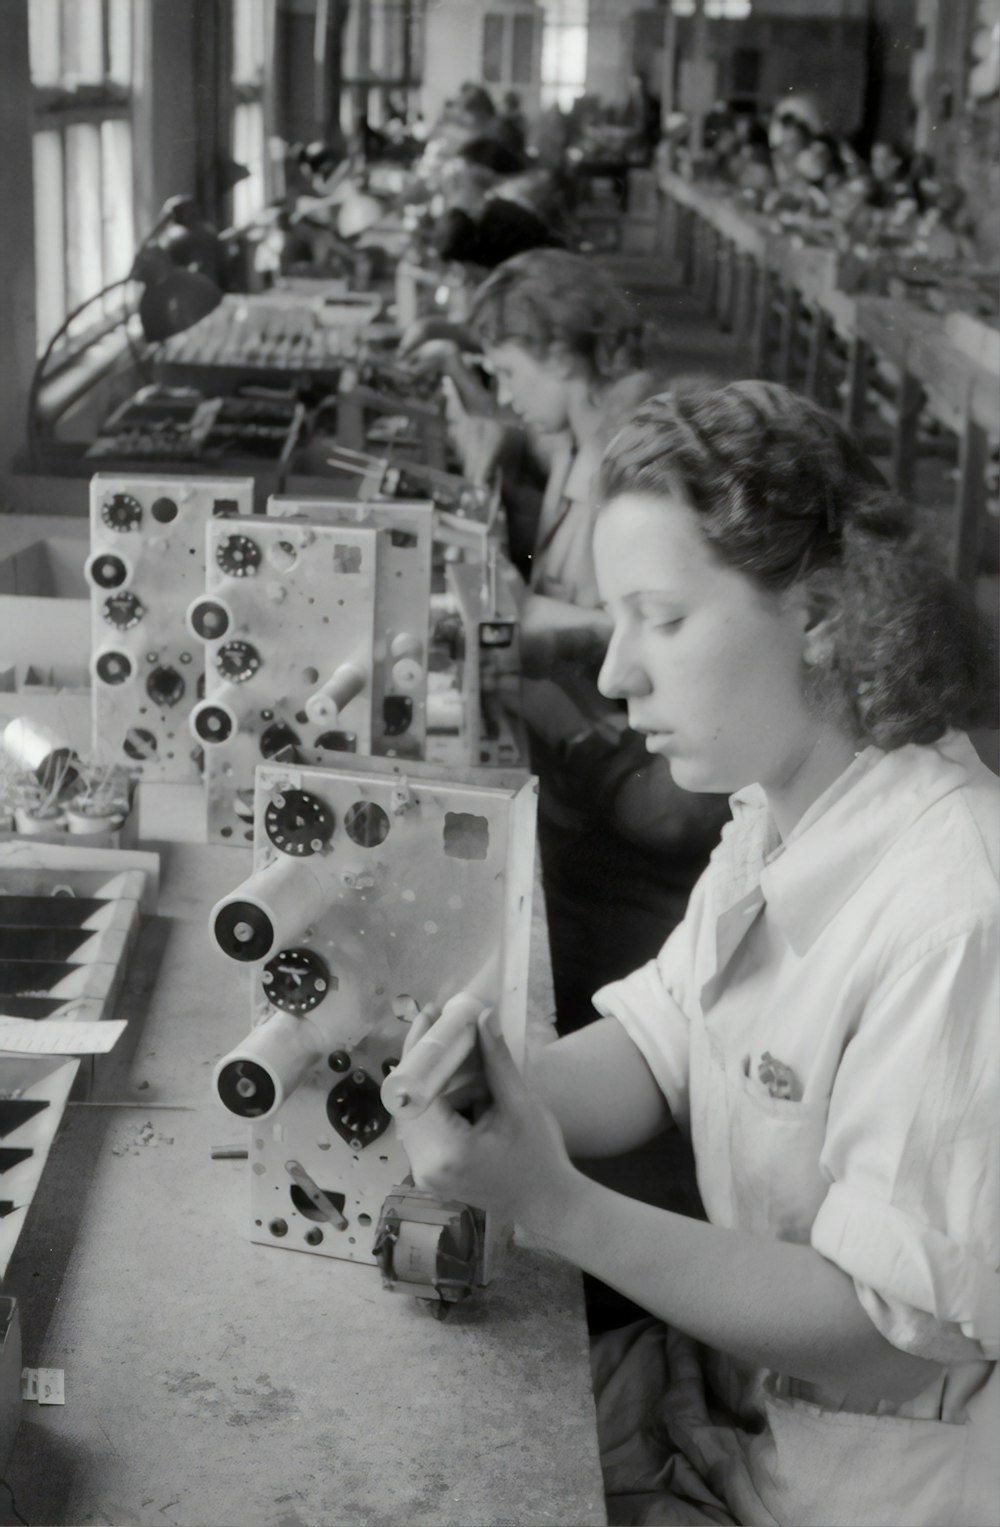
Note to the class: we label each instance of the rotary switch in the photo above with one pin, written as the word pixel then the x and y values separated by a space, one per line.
pixel 296 980
pixel 298 823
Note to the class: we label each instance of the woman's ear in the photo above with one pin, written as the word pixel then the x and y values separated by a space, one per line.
pixel 819 597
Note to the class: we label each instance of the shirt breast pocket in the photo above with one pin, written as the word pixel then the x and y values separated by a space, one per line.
pixel 775 1146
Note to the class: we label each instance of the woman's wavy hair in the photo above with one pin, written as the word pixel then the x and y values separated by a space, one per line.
pixel 549 299
pixel 785 495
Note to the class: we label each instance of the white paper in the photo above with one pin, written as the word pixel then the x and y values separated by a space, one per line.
pixel 23 1036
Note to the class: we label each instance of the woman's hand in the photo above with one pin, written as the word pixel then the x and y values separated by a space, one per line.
pixel 511 1161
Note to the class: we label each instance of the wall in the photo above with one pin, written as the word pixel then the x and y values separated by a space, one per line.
pixel 17 266
pixel 452 44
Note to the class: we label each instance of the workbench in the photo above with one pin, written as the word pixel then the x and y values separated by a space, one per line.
pixel 212 1382
pixel 787 299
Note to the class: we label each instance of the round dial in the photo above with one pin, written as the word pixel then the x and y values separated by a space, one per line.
pixel 121 512
pixel 237 661
pixel 123 611
pixel 296 980
pixel 298 823
pixel 238 556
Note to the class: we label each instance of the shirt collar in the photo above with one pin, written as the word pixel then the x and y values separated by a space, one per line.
pixel 841 838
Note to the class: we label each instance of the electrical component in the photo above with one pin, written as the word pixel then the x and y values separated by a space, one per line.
pixel 146 564
pixel 430 1248
pixel 322 649
pixel 418 896
pixel 489 663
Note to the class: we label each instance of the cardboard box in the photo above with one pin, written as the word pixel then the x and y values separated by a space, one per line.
pixel 44 602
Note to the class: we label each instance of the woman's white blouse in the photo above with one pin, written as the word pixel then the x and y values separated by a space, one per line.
pixel 826 1024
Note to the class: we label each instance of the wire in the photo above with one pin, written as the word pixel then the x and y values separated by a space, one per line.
pixel 13 1503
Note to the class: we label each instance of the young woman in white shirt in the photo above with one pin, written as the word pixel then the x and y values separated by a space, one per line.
pixel 823 1023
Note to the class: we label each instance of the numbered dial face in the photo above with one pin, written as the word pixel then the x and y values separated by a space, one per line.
pixel 237 661
pixel 122 512
pixel 123 611
pixel 238 556
pixel 298 823
pixel 296 980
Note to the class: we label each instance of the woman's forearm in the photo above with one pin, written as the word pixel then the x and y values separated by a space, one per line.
pixel 767 1303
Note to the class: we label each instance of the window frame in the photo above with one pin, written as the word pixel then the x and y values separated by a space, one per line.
pixel 58 108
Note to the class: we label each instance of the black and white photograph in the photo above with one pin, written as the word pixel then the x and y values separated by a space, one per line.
pixel 500 763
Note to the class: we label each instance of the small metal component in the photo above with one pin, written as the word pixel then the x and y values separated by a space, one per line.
pixel 319 1200
pixel 230 1153
pixel 238 555
pixel 339 1061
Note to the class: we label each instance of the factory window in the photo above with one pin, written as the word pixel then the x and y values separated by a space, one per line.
pixel 253 32
pixel 564 52
pixel 81 71
pixel 508 48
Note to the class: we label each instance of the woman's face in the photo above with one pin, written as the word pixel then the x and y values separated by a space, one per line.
pixel 535 387
pixel 710 664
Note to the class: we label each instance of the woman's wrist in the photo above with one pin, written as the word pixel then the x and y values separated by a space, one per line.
pixel 551 1211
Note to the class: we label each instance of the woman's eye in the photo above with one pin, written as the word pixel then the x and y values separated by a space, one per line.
pixel 657 623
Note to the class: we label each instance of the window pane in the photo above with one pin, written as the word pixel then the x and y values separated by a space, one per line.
pixel 116 191
pixel 43 41
pixel 564 56
pixel 523 51
pixel 249 149
pixel 120 41
pixel 83 42
pixel 50 236
pixel 84 244
pixel 493 49
pixel 248 39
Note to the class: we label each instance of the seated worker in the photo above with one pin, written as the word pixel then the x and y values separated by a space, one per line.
pixel 480 225
pixel 571 359
pixel 822 1023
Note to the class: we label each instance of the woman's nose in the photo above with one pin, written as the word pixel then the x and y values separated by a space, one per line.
pixel 621 676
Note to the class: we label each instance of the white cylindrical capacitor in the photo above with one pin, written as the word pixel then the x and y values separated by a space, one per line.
pixel 40 751
pixel 261 1073
pixel 108 570
pixel 406 644
pixel 406 674
pixel 213 720
pixel 422 1074
pixel 208 618
pixel 269 911
pixel 324 707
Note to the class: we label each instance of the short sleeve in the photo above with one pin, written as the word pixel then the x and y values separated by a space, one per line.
pixel 655 1005
pixel 911 1151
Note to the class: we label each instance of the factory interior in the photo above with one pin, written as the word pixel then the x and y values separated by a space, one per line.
pixel 492 494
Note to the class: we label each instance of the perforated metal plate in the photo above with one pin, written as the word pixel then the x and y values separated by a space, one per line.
pixel 146 564
pixel 420 886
